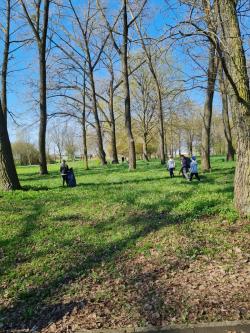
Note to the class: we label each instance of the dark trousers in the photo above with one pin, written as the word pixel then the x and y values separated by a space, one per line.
pixel 171 172
pixel 196 176
pixel 65 179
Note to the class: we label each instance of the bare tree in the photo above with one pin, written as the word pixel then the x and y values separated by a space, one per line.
pixel 123 53
pixel 86 50
pixel 151 63
pixel 144 107
pixel 111 87
pixel 39 28
pixel 57 136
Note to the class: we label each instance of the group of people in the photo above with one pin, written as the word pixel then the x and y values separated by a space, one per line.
pixel 189 167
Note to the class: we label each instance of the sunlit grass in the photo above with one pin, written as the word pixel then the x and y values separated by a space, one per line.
pixel 50 235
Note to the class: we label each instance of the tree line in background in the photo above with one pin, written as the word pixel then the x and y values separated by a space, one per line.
pixel 116 84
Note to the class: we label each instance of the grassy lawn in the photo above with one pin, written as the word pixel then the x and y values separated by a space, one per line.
pixel 121 249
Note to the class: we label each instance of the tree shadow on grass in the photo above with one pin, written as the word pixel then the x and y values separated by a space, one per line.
pixel 31 307
pixel 30 302
pixel 34 188
pixel 17 243
pixel 33 176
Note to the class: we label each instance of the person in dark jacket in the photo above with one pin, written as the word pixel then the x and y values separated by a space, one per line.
pixel 185 165
pixel 64 171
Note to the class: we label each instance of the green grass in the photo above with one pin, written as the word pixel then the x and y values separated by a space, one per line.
pixel 53 238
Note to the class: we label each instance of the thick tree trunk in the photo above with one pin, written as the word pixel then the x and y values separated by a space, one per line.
pixel 5 61
pixel 112 124
pixel 128 124
pixel 8 175
pixel 208 108
pixel 239 80
pixel 225 117
pixel 241 119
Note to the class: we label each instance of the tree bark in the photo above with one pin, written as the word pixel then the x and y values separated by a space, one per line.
pixel 40 33
pixel 161 122
pixel 112 122
pixel 190 145
pixel 239 80
pixel 84 131
pixel 102 154
pixel 145 147
pixel 5 61
pixel 225 116
pixel 208 109
pixel 159 95
pixel 43 110
pixel 8 175
pixel 124 56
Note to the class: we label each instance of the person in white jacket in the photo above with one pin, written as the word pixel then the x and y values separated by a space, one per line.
pixel 171 166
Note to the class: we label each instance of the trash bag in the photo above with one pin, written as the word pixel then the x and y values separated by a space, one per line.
pixel 71 178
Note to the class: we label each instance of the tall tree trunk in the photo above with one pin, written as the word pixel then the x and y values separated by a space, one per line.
pixel 225 116
pixel 6 61
pixel 190 145
pixel 60 156
pixel 239 80
pixel 112 123
pixel 40 33
pixel 145 147
pixel 8 175
pixel 43 111
pixel 159 95
pixel 102 154
pixel 161 122
pixel 84 131
pixel 208 109
pixel 179 142
pixel 128 124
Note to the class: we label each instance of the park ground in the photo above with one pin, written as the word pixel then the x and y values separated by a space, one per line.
pixel 122 249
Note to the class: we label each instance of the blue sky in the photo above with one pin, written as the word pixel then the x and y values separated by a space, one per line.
pixel 161 14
